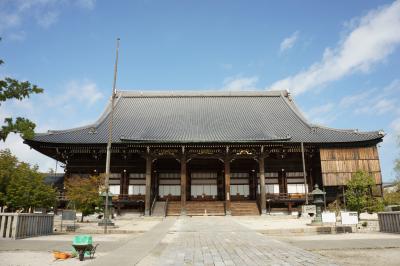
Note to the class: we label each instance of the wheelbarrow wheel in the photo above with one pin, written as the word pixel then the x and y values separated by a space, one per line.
pixel 81 255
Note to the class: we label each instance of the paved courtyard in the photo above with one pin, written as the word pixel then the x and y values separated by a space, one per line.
pixel 222 241
pixel 211 241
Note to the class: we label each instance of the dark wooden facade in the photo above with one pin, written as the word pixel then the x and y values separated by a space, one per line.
pixel 213 146
pixel 270 174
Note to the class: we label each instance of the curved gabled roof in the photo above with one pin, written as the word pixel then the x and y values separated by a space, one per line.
pixel 205 117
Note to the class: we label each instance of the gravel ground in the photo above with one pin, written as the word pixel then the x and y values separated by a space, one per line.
pixel 36 258
pixel 386 256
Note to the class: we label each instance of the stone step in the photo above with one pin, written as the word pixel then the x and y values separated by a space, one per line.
pixel 241 208
pixel 197 208
pixel 158 209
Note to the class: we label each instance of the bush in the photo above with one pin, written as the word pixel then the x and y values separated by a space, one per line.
pixel 83 193
pixel 359 193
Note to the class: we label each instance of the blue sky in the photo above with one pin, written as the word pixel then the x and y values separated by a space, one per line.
pixel 340 59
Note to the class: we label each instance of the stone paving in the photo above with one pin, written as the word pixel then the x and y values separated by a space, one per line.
pixel 222 241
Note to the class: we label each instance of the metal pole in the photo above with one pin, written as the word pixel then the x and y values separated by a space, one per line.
pixel 304 172
pixel 110 128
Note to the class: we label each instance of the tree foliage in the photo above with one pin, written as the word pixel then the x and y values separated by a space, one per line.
pixel 393 197
pixel 359 193
pixel 397 162
pixel 8 163
pixel 13 89
pixel 22 186
pixel 83 193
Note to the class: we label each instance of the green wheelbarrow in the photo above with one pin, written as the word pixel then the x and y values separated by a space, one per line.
pixel 83 245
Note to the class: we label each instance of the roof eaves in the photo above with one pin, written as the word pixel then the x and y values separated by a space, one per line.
pixel 173 94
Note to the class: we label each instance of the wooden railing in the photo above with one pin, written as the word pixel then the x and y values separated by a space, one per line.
pixel 23 225
pixel 166 208
pixel 389 222
pixel 152 205
pixel 285 196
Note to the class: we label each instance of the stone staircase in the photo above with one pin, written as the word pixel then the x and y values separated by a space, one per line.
pixel 199 208
pixel 241 208
pixel 174 208
pixel 159 209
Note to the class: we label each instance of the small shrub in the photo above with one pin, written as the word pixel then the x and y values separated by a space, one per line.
pixel 364 224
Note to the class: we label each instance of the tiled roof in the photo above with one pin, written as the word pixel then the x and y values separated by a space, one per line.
pixel 205 117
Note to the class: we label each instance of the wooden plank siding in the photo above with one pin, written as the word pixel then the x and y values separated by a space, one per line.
pixel 339 164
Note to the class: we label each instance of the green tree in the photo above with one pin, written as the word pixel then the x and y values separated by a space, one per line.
pixel 13 89
pixel 397 163
pixel 359 193
pixel 8 163
pixel 393 197
pixel 22 185
pixel 84 193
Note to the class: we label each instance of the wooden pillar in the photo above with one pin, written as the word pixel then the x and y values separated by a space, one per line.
pixel 147 199
pixel 122 185
pixel 263 201
pixel 183 182
pixel 304 171
pixel 126 192
pixel 227 164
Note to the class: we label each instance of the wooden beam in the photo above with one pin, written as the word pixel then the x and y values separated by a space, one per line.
pixel 304 172
pixel 263 200
pixel 147 198
pixel 227 166
pixel 183 181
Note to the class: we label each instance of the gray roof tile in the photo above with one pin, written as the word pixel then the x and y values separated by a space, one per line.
pixel 205 117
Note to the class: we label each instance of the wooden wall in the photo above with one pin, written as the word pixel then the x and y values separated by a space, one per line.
pixel 338 164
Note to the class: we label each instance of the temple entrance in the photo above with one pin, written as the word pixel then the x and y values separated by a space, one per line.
pixel 167 179
pixel 205 180
pixel 243 179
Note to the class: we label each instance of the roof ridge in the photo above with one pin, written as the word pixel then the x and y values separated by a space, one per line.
pixel 290 103
pixel 199 93
pixel 349 130
pixel 90 126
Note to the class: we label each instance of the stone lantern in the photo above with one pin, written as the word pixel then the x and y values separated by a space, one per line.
pixel 318 200
pixel 107 220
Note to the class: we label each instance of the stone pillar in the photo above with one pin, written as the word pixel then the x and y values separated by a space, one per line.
pixel 147 199
pixel 262 185
pixel 183 184
pixel 227 164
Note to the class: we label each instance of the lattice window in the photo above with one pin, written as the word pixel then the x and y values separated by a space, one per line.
pixel 296 189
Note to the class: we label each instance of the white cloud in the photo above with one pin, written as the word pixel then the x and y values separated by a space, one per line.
pixel 24 153
pixel 17 36
pixel 289 42
pixel 240 83
pixel 355 99
pixel 15 14
pixel 88 4
pixel 47 19
pixel 395 125
pixel 379 107
pixel 374 101
pixel 85 92
pixel 374 37
pixel 226 66
pixel 78 95
pixel 321 114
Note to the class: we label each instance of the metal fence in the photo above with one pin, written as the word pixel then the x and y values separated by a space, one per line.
pixel 23 225
pixel 389 222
